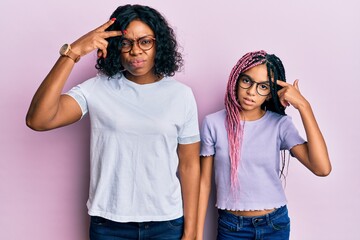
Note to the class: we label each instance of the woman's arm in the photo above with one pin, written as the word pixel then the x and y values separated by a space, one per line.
pixel 189 170
pixel 313 154
pixel 49 108
pixel 205 189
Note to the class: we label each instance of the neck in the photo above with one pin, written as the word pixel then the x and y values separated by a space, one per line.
pixel 143 79
pixel 252 115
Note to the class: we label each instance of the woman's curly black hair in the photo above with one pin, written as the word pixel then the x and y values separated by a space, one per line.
pixel 167 59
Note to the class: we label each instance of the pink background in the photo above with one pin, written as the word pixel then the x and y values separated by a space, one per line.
pixel 44 176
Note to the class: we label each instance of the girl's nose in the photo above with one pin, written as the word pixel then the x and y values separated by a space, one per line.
pixel 251 90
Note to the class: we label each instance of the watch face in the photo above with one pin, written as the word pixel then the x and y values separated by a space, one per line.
pixel 64 49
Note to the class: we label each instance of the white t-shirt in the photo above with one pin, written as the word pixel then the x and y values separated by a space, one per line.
pixel 135 131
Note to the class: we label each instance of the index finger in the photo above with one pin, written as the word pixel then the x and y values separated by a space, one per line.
pixel 106 25
pixel 109 34
pixel 281 83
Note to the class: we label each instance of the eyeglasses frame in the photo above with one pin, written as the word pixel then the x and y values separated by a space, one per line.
pixel 137 42
pixel 252 83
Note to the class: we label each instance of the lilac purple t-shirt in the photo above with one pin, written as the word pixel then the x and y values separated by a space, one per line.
pixel 259 184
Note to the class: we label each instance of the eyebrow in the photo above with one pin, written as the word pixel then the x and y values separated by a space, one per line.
pixel 245 75
pixel 138 37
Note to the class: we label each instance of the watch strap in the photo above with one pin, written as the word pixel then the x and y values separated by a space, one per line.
pixel 72 55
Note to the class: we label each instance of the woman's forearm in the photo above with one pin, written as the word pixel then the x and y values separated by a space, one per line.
pixel 189 171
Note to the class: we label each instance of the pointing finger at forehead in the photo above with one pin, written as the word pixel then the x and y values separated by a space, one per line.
pixel 103 27
pixel 109 34
pixel 281 83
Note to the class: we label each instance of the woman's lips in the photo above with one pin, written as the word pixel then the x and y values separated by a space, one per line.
pixel 137 63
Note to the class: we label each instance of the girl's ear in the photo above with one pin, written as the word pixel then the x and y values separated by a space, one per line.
pixel 268 97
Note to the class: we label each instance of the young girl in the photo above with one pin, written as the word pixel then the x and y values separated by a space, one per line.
pixel 144 127
pixel 243 143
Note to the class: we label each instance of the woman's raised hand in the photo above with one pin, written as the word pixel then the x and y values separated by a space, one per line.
pixel 95 39
pixel 290 94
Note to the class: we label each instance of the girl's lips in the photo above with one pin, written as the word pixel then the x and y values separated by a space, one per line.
pixel 248 101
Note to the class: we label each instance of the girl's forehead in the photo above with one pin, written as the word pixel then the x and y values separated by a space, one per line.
pixel 258 73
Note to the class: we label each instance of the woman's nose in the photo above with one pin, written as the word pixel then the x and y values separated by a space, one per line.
pixel 135 48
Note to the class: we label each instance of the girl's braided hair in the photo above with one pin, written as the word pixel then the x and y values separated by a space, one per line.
pixel 234 127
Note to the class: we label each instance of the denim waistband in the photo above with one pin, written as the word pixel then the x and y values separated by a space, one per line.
pixel 279 212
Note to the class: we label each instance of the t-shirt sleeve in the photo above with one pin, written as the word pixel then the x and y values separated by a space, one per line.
pixel 289 135
pixel 207 140
pixel 79 96
pixel 81 93
pixel 189 131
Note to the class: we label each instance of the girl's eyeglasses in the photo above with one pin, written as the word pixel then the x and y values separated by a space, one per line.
pixel 262 88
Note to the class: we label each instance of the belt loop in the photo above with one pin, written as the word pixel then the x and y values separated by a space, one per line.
pixel 268 221
pixel 241 221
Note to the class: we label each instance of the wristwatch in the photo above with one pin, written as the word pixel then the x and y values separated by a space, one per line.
pixel 65 51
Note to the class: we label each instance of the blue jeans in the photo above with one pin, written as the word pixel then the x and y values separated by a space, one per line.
pixel 103 229
pixel 272 226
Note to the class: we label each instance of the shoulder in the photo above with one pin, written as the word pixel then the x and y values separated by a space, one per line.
pixel 98 79
pixel 283 123
pixel 213 126
pixel 171 82
pixel 215 115
pixel 273 116
pixel 176 90
pixel 215 118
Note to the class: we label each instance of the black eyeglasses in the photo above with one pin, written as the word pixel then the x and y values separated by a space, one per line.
pixel 144 43
pixel 262 88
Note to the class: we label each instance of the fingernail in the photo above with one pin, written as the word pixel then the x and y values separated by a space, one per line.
pixel 124 32
pixel 113 19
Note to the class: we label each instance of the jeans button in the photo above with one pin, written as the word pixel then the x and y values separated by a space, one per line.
pixel 257 220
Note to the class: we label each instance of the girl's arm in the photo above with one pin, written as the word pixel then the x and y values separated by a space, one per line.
pixel 189 171
pixel 205 189
pixel 49 108
pixel 313 154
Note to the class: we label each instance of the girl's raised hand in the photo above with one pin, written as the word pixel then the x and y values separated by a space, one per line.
pixel 290 94
pixel 95 39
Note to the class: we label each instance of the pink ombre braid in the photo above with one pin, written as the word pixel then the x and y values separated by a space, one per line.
pixel 233 122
